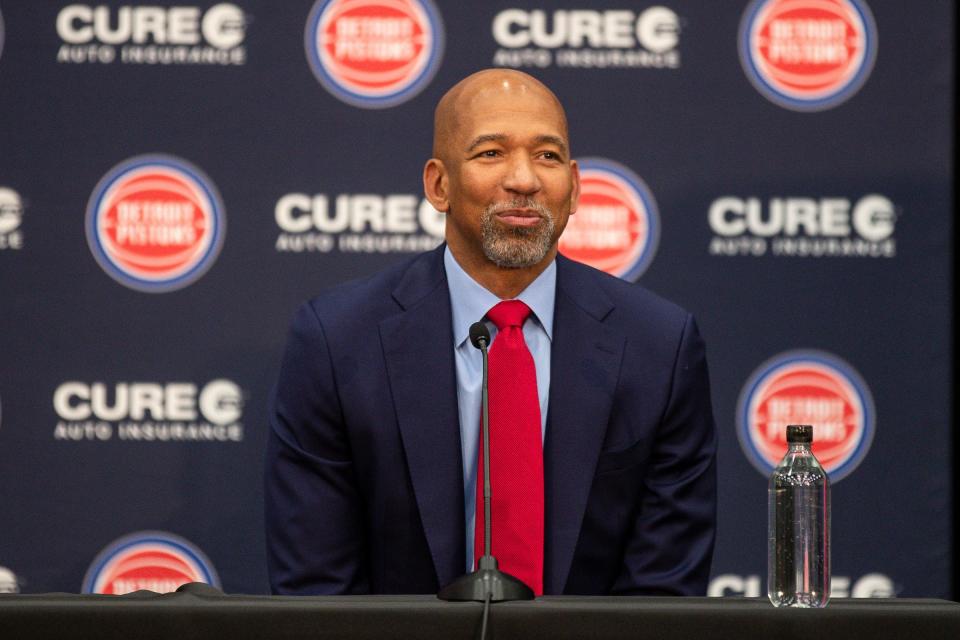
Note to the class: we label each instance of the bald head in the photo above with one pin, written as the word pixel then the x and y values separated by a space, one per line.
pixel 465 100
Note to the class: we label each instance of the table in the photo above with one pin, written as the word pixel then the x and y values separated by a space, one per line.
pixel 205 613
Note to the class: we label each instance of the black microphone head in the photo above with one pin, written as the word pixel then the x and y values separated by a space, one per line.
pixel 478 332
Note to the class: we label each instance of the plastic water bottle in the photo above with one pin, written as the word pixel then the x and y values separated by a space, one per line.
pixel 798 551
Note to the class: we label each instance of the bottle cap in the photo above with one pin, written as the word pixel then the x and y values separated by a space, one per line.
pixel 797 433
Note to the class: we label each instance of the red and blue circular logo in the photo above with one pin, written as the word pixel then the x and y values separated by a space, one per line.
pixel 374 53
pixel 151 560
pixel 155 223
pixel 616 227
pixel 808 55
pixel 806 387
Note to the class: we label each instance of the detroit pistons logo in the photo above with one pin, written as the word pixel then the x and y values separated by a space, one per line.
pixel 616 227
pixel 374 53
pixel 808 55
pixel 155 223
pixel 806 387
pixel 152 560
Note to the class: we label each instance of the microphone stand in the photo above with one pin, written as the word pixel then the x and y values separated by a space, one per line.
pixel 486 584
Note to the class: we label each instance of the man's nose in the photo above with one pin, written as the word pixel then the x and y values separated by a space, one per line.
pixel 521 175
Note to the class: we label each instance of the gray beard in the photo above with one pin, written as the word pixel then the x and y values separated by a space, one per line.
pixel 516 247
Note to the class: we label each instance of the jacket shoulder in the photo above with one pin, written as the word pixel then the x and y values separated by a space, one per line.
pixel 372 298
pixel 630 303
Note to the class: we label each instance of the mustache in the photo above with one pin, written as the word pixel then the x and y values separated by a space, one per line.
pixel 533 205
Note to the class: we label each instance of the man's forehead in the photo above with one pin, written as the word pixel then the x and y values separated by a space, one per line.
pixel 474 105
pixel 504 112
pixel 536 139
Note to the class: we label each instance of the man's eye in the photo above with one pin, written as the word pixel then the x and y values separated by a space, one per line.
pixel 550 155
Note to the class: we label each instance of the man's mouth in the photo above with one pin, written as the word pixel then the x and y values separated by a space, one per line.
pixel 519 217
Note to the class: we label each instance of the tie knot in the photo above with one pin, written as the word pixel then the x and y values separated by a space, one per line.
pixel 509 313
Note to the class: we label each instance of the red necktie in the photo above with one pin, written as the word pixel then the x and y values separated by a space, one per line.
pixel 516 452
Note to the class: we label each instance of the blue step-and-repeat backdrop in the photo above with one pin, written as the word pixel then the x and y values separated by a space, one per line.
pixel 176 177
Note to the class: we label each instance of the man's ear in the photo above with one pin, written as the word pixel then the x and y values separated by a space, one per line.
pixel 575 193
pixel 436 184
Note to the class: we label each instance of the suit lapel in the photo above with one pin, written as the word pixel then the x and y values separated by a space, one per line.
pixel 418 349
pixel 585 360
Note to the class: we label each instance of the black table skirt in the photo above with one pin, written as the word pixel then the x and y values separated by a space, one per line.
pixel 144 615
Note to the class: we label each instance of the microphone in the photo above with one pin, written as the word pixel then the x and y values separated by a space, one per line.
pixel 478 332
pixel 480 338
pixel 487 584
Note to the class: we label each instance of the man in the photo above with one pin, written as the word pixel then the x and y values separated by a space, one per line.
pixel 373 452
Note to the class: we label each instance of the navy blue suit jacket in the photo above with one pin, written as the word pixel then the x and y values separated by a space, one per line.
pixel 364 481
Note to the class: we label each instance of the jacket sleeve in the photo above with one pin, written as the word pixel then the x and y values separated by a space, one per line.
pixel 314 515
pixel 671 548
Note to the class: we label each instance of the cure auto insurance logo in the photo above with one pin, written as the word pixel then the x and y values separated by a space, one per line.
pixel 808 55
pixel 374 53
pixel 616 227
pixel 155 223
pixel 152 560
pixel 806 387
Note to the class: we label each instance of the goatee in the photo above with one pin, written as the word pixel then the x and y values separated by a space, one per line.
pixel 516 247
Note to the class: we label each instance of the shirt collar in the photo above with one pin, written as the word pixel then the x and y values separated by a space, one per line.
pixel 470 301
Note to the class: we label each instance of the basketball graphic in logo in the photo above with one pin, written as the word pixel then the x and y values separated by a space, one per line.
pixel 616 227
pixel 806 387
pixel 151 560
pixel 374 53
pixel 155 223
pixel 808 55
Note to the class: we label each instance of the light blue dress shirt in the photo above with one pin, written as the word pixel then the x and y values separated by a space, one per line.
pixel 469 302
